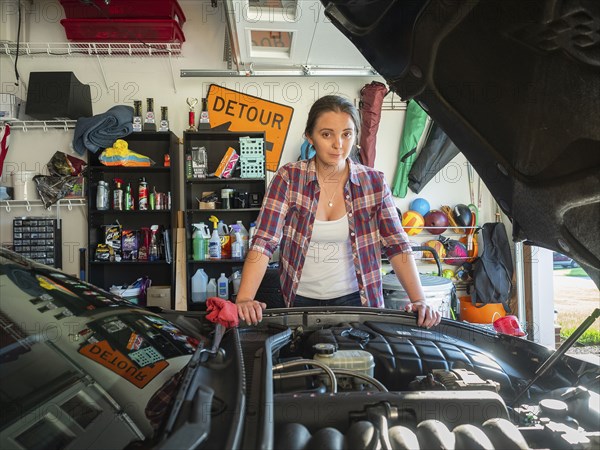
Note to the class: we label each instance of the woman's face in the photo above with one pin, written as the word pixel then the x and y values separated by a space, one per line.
pixel 333 136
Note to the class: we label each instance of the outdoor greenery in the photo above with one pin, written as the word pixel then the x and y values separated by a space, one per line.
pixel 590 337
pixel 576 272
pixel 569 321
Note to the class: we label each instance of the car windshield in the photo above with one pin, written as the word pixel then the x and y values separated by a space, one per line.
pixel 71 352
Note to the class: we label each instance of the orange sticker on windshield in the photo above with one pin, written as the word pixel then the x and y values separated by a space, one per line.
pixel 117 362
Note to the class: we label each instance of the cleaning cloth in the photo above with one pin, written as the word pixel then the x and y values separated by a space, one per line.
pixel 222 312
pixel 100 131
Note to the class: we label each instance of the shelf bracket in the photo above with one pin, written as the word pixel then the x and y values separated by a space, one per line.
pixel 102 71
pixel 28 206
pixel 7 206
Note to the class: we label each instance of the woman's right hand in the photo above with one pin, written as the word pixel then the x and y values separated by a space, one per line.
pixel 250 311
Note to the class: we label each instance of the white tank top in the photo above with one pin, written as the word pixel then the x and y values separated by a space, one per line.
pixel 328 270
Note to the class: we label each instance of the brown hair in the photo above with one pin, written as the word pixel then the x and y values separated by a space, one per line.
pixel 331 103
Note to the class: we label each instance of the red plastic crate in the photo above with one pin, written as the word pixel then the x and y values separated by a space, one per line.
pixel 123 30
pixel 124 9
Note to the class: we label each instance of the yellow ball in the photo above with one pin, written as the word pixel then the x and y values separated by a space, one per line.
pixel 438 247
pixel 412 222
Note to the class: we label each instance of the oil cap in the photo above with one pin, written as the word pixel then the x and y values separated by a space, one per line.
pixel 324 349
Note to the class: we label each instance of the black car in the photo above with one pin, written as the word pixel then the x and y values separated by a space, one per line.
pixel 516 86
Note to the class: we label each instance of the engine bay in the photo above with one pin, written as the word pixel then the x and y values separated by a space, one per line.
pixel 366 382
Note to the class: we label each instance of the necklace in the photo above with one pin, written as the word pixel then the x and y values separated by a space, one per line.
pixel 330 201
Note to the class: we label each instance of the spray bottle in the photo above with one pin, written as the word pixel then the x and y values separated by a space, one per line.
pixel 214 244
pixel 245 237
pixel 237 246
pixel 143 195
pixel 198 245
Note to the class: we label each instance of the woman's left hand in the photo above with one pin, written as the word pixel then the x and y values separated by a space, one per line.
pixel 427 317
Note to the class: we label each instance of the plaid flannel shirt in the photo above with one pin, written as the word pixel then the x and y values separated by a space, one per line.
pixel 288 214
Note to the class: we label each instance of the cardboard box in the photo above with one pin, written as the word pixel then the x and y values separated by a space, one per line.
pixel 159 296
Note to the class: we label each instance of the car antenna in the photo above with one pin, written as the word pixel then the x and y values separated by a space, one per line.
pixel 549 363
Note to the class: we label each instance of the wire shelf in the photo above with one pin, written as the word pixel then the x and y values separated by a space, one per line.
pixel 127 49
pixel 68 203
pixel 45 125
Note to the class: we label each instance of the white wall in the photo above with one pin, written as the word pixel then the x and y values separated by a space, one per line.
pixel 138 78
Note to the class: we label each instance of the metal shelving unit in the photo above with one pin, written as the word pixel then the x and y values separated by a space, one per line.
pixel 45 125
pixel 127 49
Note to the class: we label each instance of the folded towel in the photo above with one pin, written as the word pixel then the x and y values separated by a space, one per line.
pixel 100 131
pixel 222 312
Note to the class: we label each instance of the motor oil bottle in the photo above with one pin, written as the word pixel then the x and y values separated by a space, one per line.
pixel 223 287
pixel 225 240
pixel 199 286
pixel 143 195
pixel 214 244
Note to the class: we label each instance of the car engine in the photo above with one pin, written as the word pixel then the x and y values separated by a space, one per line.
pixel 377 384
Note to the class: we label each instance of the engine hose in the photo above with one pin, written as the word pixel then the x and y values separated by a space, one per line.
pixel 310 362
pixel 305 373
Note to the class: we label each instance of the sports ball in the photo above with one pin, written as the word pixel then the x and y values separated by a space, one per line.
pixel 462 215
pixel 438 247
pixel 436 218
pixel 413 220
pixel 456 253
pixel 448 273
pixel 420 205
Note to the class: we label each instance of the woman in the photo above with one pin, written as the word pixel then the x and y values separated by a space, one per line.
pixel 331 217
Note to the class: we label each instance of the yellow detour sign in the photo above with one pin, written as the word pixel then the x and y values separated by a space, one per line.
pixel 235 111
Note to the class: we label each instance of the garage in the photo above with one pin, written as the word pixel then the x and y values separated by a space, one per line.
pixel 166 156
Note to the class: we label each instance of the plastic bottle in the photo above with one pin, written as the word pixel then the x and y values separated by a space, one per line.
pixel 252 231
pixel 198 246
pixel 236 280
pixel 245 237
pixel 223 287
pixel 211 288
pixel 102 196
pixel 237 246
pixel 118 195
pixel 214 244
pixel 129 206
pixel 199 286
pixel 143 195
pixel 225 240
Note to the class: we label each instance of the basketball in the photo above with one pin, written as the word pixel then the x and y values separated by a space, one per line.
pixel 412 222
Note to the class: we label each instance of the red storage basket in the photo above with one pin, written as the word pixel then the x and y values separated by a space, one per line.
pixel 123 30
pixel 124 9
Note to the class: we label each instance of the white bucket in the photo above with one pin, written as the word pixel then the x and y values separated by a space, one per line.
pixel 24 186
pixel 438 291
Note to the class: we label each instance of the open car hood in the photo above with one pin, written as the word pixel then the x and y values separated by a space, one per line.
pixel 516 86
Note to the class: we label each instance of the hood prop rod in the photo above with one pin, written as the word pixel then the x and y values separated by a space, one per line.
pixel 551 361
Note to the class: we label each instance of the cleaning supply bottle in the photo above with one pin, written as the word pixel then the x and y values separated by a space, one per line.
pixel 129 206
pixel 198 245
pixel 223 287
pixel 225 240
pixel 237 246
pixel 236 280
pixel 118 195
pixel 211 288
pixel 245 237
pixel 252 231
pixel 199 286
pixel 214 244
pixel 143 195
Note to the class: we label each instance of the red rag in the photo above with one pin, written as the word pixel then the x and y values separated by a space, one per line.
pixel 222 311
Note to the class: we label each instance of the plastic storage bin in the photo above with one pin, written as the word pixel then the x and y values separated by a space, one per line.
pixel 123 30
pixel 124 9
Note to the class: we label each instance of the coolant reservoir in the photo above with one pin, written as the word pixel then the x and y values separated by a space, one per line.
pixel 356 360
